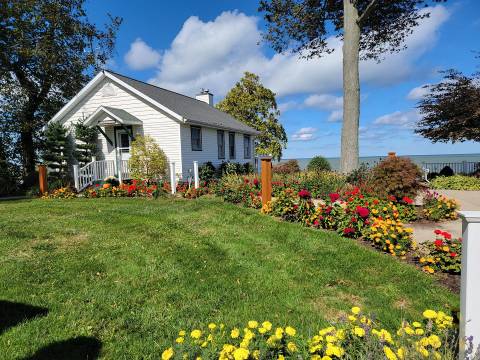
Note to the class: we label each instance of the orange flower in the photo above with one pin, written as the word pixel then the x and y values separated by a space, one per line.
pixel 106 186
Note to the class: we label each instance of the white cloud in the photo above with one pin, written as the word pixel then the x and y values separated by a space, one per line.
pixel 305 134
pixel 324 102
pixel 288 105
pixel 418 92
pixel 141 56
pixel 403 119
pixel 335 116
pixel 215 54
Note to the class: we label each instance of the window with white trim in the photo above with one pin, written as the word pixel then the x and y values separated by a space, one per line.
pixel 247 147
pixel 196 138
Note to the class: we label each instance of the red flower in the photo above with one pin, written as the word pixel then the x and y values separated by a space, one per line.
pixel 375 201
pixel 315 223
pixel 453 254
pixel 246 181
pixel 363 212
pixel 348 231
pixel 438 232
pixel 407 200
pixel 438 243
pixel 447 235
pixel 304 194
pixel 97 185
pixel 392 198
pixel 334 197
pixel 255 182
pixel 328 209
pixel 354 220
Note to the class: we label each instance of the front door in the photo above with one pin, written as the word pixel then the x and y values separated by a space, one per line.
pixel 123 144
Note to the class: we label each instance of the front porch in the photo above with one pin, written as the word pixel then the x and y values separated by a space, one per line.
pixel 117 129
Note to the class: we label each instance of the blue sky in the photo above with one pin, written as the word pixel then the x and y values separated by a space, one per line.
pixel 188 45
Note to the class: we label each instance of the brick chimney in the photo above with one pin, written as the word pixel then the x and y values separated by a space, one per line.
pixel 205 96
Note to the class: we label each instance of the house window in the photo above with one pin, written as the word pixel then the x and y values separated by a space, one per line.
pixel 231 145
pixel 247 152
pixel 221 144
pixel 196 137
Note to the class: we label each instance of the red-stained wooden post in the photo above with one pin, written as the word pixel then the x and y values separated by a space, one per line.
pixel 42 179
pixel 266 178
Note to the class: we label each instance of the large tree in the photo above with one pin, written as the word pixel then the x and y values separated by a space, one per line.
pixel 368 29
pixel 255 105
pixel 49 50
pixel 451 109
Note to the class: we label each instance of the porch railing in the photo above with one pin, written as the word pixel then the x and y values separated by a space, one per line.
pixel 464 167
pixel 98 170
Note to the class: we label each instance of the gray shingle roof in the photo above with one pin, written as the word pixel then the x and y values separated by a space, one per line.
pixel 193 110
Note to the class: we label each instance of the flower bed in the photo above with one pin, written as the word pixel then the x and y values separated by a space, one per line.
pixel 438 207
pixel 444 254
pixel 135 189
pixel 357 336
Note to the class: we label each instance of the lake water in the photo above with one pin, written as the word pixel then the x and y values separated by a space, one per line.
pixel 418 159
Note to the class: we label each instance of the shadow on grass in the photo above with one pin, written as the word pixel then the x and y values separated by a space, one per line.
pixel 79 348
pixel 13 313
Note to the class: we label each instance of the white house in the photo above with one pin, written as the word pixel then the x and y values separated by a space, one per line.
pixel 187 129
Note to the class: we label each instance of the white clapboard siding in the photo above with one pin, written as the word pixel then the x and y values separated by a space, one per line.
pixel 210 150
pixel 163 129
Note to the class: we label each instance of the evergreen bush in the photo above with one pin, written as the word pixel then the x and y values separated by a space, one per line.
pixel 55 155
pixel 318 163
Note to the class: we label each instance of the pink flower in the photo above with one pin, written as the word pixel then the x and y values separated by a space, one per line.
pixel 334 197
pixel 363 212
pixel 304 194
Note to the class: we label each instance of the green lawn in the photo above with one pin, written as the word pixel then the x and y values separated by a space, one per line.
pixel 122 276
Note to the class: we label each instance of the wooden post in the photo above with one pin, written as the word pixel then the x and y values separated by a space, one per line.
pixel 266 178
pixel 42 179
pixel 470 291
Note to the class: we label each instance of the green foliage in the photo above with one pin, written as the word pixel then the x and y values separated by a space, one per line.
pixel 206 171
pixel 53 49
pixel 450 109
pixel 255 105
pixel 318 163
pixel 56 153
pixel 456 182
pixel 396 176
pixel 86 142
pixel 286 167
pixel 234 168
pixel 360 176
pixel 319 184
pixel 147 160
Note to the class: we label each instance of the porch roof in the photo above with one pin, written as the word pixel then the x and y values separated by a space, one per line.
pixel 119 116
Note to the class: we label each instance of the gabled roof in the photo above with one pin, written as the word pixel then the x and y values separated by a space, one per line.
pixel 192 110
pixel 119 115
pixel 180 107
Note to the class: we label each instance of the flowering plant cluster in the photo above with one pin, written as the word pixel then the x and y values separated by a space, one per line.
pixel 134 189
pixel 390 236
pixel 444 254
pixel 438 207
pixel 61 193
pixel 357 336
pixel 237 189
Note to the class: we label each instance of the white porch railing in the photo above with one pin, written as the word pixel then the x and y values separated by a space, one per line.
pixel 99 170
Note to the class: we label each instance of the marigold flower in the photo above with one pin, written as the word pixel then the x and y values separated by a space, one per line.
pixel 167 354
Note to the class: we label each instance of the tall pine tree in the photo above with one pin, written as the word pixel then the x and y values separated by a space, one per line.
pixel 56 153
pixel 86 145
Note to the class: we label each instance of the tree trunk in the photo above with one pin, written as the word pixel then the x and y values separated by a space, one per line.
pixel 351 88
pixel 28 158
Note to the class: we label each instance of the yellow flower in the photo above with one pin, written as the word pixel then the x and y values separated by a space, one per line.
pixel 429 314
pixel 290 331
pixel 419 332
pixel 389 353
pixel 212 326
pixel 434 341
pixel 291 347
pixel 279 332
pixel 179 340
pixel 252 324
pixel 182 333
pixel 355 310
pixel 241 354
pixel 267 325
pixel 262 330
pixel 235 333
pixel 360 332
pixel 195 334
pixel 416 324
pixel 167 354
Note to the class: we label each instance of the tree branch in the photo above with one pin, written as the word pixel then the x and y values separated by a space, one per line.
pixel 367 12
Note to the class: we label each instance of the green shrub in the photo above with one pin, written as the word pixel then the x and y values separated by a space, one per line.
pixel 396 176
pixel 147 160
pixel 206 171
pixel 287 167
pixel 318 163
pixel 234 168
pixel 456 182
pixel 360 176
